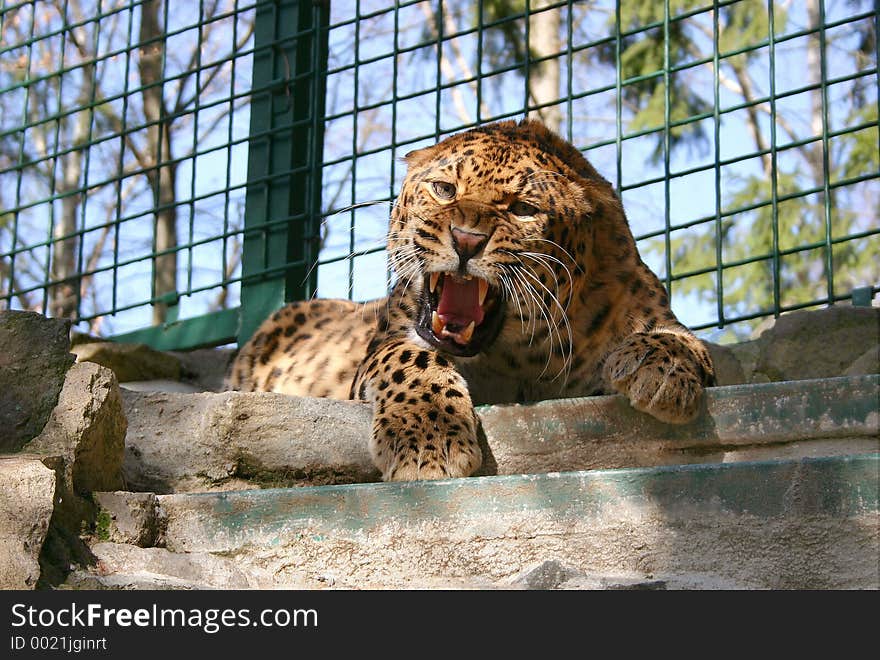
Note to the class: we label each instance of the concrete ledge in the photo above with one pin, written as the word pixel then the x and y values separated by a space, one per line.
pixel 232 440
pixel 183 442
pixel 809 523
pixel 833 416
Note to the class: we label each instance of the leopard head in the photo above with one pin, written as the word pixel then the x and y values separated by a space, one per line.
pixel 495 227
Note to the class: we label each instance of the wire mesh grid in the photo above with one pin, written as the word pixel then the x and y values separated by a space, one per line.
pixel 742 136
pixel 123 146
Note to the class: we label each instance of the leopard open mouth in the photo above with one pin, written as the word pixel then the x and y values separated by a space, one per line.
pixel 461 316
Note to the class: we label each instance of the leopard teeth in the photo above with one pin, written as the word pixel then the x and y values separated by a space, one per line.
pixel 484 289
pixel 436 324
pixel 432 281
pixel 468 332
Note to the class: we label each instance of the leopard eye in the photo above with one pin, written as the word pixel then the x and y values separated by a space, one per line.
pixel 443 190
pixel 523 209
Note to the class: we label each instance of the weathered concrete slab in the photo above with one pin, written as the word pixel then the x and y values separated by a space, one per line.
pixel 130 362
pixel 27 493
pixel 121 566
pixel 810 523
pixel 237 440
pixel 179 442
pixel 835 416
pixel 34 358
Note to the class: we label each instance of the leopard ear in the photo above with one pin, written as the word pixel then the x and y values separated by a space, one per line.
pixel 418 156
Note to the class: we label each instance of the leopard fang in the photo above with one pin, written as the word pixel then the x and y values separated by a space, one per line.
pixel 466 334
pixel 436 324
pixel 484 289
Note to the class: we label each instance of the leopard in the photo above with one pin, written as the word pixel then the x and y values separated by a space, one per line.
pixel 516 279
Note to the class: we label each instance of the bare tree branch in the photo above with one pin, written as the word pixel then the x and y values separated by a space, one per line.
pixel 457 99
pixel 162 173
pixel 544 40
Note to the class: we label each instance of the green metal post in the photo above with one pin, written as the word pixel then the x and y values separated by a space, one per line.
pixel 283 203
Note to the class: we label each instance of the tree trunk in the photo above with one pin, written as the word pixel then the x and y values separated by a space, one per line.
pixel 814 67
pixel 544 76
pixel 815 152
pixel 64 247
pixel 162 173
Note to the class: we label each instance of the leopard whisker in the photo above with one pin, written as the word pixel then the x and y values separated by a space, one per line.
pixel 540 258
pixel 564 317
pixel 358 205
pixel 558 247
pixel 349 256
pixel 509 293
pixel 523 265
pixel 539 304
pixel 532 294
pixel 528 298
pixel 408 264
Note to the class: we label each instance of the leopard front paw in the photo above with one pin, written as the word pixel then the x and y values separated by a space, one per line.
pixel 427 444
pixel 659 374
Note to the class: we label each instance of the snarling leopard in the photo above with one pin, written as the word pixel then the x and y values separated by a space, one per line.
pixel 517 279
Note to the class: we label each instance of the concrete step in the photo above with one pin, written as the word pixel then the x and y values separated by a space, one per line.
pixel 773 486
pixel 806 523
pixel 229 441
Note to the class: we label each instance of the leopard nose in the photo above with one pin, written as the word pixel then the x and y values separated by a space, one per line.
pixel 468 244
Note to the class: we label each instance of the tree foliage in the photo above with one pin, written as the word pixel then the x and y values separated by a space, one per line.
pixel 777 206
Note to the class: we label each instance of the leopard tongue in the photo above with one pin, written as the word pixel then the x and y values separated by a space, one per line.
pixel 458 308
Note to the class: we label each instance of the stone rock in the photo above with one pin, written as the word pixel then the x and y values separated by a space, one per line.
pixel 210 441
pixel 130 362
pixel 125 517
pixel 77 337
pixel 746 354
pixel 818 343
pixel 27 493
pixel 121 566
pixel 84 442
pixel 867 363
pixel 87 428
pixel 553 574
pixel 616 583
pixel 34 358
pixel 160 386
pixel 546 575
pixel 205 368
pixel 728 369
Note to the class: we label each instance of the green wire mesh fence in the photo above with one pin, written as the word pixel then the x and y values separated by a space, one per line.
pixel 172 172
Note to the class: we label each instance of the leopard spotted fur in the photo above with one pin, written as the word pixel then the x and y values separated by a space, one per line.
pixel 517 279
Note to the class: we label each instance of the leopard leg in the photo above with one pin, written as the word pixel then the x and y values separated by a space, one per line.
pixel 662 373
pixel 424 424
